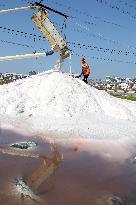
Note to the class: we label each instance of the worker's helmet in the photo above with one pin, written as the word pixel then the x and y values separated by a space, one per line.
pixel 83 60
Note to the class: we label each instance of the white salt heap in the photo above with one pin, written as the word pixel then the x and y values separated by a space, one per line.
pixel 53 101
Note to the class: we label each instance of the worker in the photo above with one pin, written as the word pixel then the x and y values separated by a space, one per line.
pixel 85 70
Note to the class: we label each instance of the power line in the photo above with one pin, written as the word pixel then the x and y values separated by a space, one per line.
pixel 27 1
pixel 39 37
pixel 92 47
pixel 126 4
pixel 89 33
pixel 80 12
pixel 101 36
pixel 74 53
pixel 76 19
pixel 18 32
pixel 84 13
pixel 116 7
pixel 72 17
pixel 94 34
pixel 20 44
pixel 103 59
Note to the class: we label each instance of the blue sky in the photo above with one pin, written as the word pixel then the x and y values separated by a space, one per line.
pixel 104 35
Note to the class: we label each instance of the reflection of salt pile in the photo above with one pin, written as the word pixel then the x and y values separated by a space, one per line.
pixel 25 191
pixel 115 200
pixel 57 102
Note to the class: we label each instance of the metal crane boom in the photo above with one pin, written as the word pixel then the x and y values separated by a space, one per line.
pixel 23 56
pixel 43 22
pixel 50 32
pixel 16 9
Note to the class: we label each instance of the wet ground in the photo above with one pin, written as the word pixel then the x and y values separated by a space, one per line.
pixel 91 173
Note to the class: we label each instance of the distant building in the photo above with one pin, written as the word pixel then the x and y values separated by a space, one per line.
pixel 124 85
pixel 14 76
pixel 10 77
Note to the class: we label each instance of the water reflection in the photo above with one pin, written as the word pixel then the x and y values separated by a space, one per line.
pixel 28 186
pixel 83 177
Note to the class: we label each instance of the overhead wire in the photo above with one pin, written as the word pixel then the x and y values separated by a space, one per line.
pixel 21 44
pixel 102 59
pixel 84 13
pixel 72 17
pixel 94 47
pixel 27 1
pixel 74 44
pixel 25 34
pixel 86 31
pixel 126 4
pixel 75 53
pixel 117 8
pixel 41 37
pixel 94 34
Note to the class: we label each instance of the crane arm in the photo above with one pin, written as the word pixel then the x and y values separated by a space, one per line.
pixel 23 56
pixel 42 21
pixel 44 24
pixel 16 9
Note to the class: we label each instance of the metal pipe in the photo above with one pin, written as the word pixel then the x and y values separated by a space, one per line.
pixel 34 55
pixel 16 9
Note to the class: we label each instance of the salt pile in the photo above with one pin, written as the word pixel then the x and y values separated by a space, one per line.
pixel 53 101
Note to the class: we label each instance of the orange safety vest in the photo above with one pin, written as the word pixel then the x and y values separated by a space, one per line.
pixel 85 69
